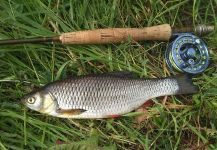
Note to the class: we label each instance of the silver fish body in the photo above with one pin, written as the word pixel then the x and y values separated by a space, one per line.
pixel 102 96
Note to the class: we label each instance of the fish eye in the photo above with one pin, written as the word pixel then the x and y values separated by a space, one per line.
pixel 31 100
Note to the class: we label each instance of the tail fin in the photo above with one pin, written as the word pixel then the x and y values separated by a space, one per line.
pixel 185 84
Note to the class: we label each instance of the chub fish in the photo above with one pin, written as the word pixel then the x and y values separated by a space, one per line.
pixel 103 95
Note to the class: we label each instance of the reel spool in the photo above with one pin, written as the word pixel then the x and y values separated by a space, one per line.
pixel 187 53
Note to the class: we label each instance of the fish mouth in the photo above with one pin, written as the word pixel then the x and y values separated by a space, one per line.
pixel 23 101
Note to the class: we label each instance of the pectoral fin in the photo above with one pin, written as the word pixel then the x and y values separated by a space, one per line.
pixel 69 112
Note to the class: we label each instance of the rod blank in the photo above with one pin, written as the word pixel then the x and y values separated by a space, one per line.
pixel 30 40
pixel 114 35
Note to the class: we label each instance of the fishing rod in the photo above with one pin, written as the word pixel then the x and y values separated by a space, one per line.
pixel 162 32
pixel 186 52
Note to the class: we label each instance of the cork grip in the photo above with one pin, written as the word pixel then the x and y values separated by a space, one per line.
pixel 117 35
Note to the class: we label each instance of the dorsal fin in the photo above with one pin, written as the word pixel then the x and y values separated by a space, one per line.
pixel 120 74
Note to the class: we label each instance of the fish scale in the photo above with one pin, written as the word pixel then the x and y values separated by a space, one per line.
pixel 124 88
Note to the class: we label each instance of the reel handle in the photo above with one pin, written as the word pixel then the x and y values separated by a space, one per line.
pixel 117 35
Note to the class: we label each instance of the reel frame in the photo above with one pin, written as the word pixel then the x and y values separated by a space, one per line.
pixel 187 53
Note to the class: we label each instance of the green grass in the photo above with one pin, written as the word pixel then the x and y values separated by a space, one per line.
pixel 24 67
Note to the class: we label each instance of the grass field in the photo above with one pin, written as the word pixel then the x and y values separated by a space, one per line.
pixel 191 124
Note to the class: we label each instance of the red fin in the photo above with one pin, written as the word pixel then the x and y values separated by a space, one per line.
pixel 114 116
pixel 148 104
pixel 59 142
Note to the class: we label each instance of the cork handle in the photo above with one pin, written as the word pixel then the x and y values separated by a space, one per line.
pixel 117 35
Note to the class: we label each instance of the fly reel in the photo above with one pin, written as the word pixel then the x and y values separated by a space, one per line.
pixel 187 53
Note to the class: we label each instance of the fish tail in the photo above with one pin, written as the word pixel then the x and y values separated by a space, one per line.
pixel 185 84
